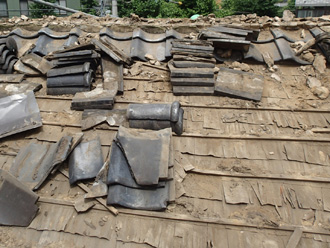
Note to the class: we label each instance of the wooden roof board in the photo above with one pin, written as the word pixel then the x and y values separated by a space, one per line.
pixel 206 187
pixel 267 193
pixel 308 197
pixel 316 153
pixel 236 192
pixel 294 151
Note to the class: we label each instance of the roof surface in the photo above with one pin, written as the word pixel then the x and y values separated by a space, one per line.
pixel 260 170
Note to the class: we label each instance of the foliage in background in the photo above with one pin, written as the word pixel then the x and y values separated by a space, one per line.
pixel 260 7
pixel 39 10
pixel 142 8
pixel 201 7
pixel 164 9
pixel 170 10
pixel 88 6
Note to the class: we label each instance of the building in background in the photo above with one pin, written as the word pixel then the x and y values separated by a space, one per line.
pixel 10 8
pixel 307 8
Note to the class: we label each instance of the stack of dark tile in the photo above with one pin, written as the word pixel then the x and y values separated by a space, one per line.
pixel 156 116
pixel 229 42
pixel 192 68
pixel 8 57
pixel 140 172
pixel 75 69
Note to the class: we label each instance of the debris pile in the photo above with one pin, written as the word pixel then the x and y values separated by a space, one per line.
pixel 156 116
pixel 192 68
pixel 141 169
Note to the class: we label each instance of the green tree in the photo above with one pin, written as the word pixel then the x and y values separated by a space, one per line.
pixel 260 7
pixel 142 8
pixel 170 10
pixel 88 6
pixel 38 10
pixel 124 8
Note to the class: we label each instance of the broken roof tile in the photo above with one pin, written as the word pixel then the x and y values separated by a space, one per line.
pixel 144 199
pixel 119 170
pixel 95 99
pixel 36 62
pixel 85 161
pixel 93 117
pixel 240 84
pixel 152 155
pixel 18 113
pixel 17 203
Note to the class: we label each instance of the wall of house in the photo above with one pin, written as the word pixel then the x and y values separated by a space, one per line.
pixel 313 12
pixel 13 8
pixel 73 4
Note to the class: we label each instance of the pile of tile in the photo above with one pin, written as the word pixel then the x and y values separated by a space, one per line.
pixel 112 60
pixel 102 97
pixel 192 68
pixel 228 40
pixel 69 79
pixel 140 172
pixel 156 116
pixel 75 69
